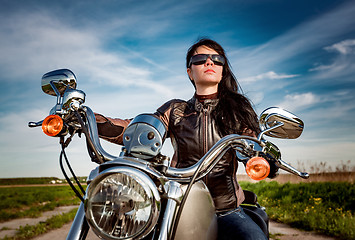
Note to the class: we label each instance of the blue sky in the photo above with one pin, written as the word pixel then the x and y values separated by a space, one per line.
pixel 128 57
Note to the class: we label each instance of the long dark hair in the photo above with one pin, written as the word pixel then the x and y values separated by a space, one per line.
pixel 234 112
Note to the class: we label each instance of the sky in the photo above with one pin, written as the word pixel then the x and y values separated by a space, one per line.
pixel 129 58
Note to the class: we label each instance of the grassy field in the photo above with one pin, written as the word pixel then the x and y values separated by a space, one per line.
pixel 325 207
pixel 18 202
pixel 27 181
pixel 35 181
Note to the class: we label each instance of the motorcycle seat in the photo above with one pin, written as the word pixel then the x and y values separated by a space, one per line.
pixel 250 198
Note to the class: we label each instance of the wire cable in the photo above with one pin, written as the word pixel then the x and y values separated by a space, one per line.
pixel 62 153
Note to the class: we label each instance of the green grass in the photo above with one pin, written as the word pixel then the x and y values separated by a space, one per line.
pixel 40 180
pixel 25 181
pixel 30 231
pixel 18 202
pixel 327 207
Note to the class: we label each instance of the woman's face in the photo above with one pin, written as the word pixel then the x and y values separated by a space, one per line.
pixel 206 76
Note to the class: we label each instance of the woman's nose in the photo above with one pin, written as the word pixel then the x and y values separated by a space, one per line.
pixel 209 62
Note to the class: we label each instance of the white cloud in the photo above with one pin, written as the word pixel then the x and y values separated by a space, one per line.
pixel 268 75
pixel 39 43
pixel 342 65
pixel 295 102
pixel 343 47
pixel 322 68
pixel 304 38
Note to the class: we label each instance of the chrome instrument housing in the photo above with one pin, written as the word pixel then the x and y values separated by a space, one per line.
pixel 144 137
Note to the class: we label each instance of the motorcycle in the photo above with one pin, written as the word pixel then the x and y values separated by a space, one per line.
pixel 138 195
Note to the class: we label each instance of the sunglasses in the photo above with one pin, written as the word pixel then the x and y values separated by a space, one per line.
pixel 200 59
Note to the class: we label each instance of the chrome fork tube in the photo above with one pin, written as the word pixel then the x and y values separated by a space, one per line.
pixel 174 195
pixel 80 228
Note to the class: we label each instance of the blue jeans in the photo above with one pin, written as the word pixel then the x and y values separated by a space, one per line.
pixel 237 224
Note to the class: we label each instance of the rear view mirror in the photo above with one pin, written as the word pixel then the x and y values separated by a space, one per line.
pixel 56 82
pixel 279 123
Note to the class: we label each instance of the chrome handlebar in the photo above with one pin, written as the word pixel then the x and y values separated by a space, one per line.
pixel 207 162
pixel 211 158
pixel 92 126
pixel 204 165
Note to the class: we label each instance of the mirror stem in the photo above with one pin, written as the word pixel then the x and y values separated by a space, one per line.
pixel 269 129
pixel 56 92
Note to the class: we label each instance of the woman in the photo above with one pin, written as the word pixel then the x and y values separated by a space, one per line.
pixel 194 126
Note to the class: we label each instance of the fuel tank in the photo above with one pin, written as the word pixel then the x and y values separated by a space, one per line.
pixel 198 219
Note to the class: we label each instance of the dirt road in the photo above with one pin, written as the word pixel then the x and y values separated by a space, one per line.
pixel 281 231
pixel 9 228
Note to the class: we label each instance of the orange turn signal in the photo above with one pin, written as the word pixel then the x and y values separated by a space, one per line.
pixel 52 125
pixel 257 168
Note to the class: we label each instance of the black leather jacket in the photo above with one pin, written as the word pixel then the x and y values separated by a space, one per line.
pixel 193 132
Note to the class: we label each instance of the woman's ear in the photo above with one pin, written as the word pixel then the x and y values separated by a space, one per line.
pixel 188 70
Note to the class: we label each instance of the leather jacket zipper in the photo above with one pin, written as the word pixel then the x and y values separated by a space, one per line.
pixel 205 140
pixel 205 123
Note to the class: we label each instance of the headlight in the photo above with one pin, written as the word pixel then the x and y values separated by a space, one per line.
pixel 122 203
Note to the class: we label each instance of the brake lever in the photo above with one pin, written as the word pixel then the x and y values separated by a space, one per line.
pixel 283 165
pixel 35 124
pixel 273 152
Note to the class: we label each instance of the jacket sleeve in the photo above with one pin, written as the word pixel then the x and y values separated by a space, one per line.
pixel 111 129
pixel 163 112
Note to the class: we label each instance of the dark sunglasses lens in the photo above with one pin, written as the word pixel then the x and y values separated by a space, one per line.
pixel 218 60
pixel 200 59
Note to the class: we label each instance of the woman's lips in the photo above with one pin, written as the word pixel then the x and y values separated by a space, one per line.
pixel 210 70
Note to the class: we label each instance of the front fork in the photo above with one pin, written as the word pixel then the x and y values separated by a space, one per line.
pixel 80 227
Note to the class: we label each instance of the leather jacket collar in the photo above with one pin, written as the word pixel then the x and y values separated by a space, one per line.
pixel 207 104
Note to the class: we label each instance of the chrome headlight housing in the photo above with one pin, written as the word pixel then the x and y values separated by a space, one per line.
pixel 122 203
